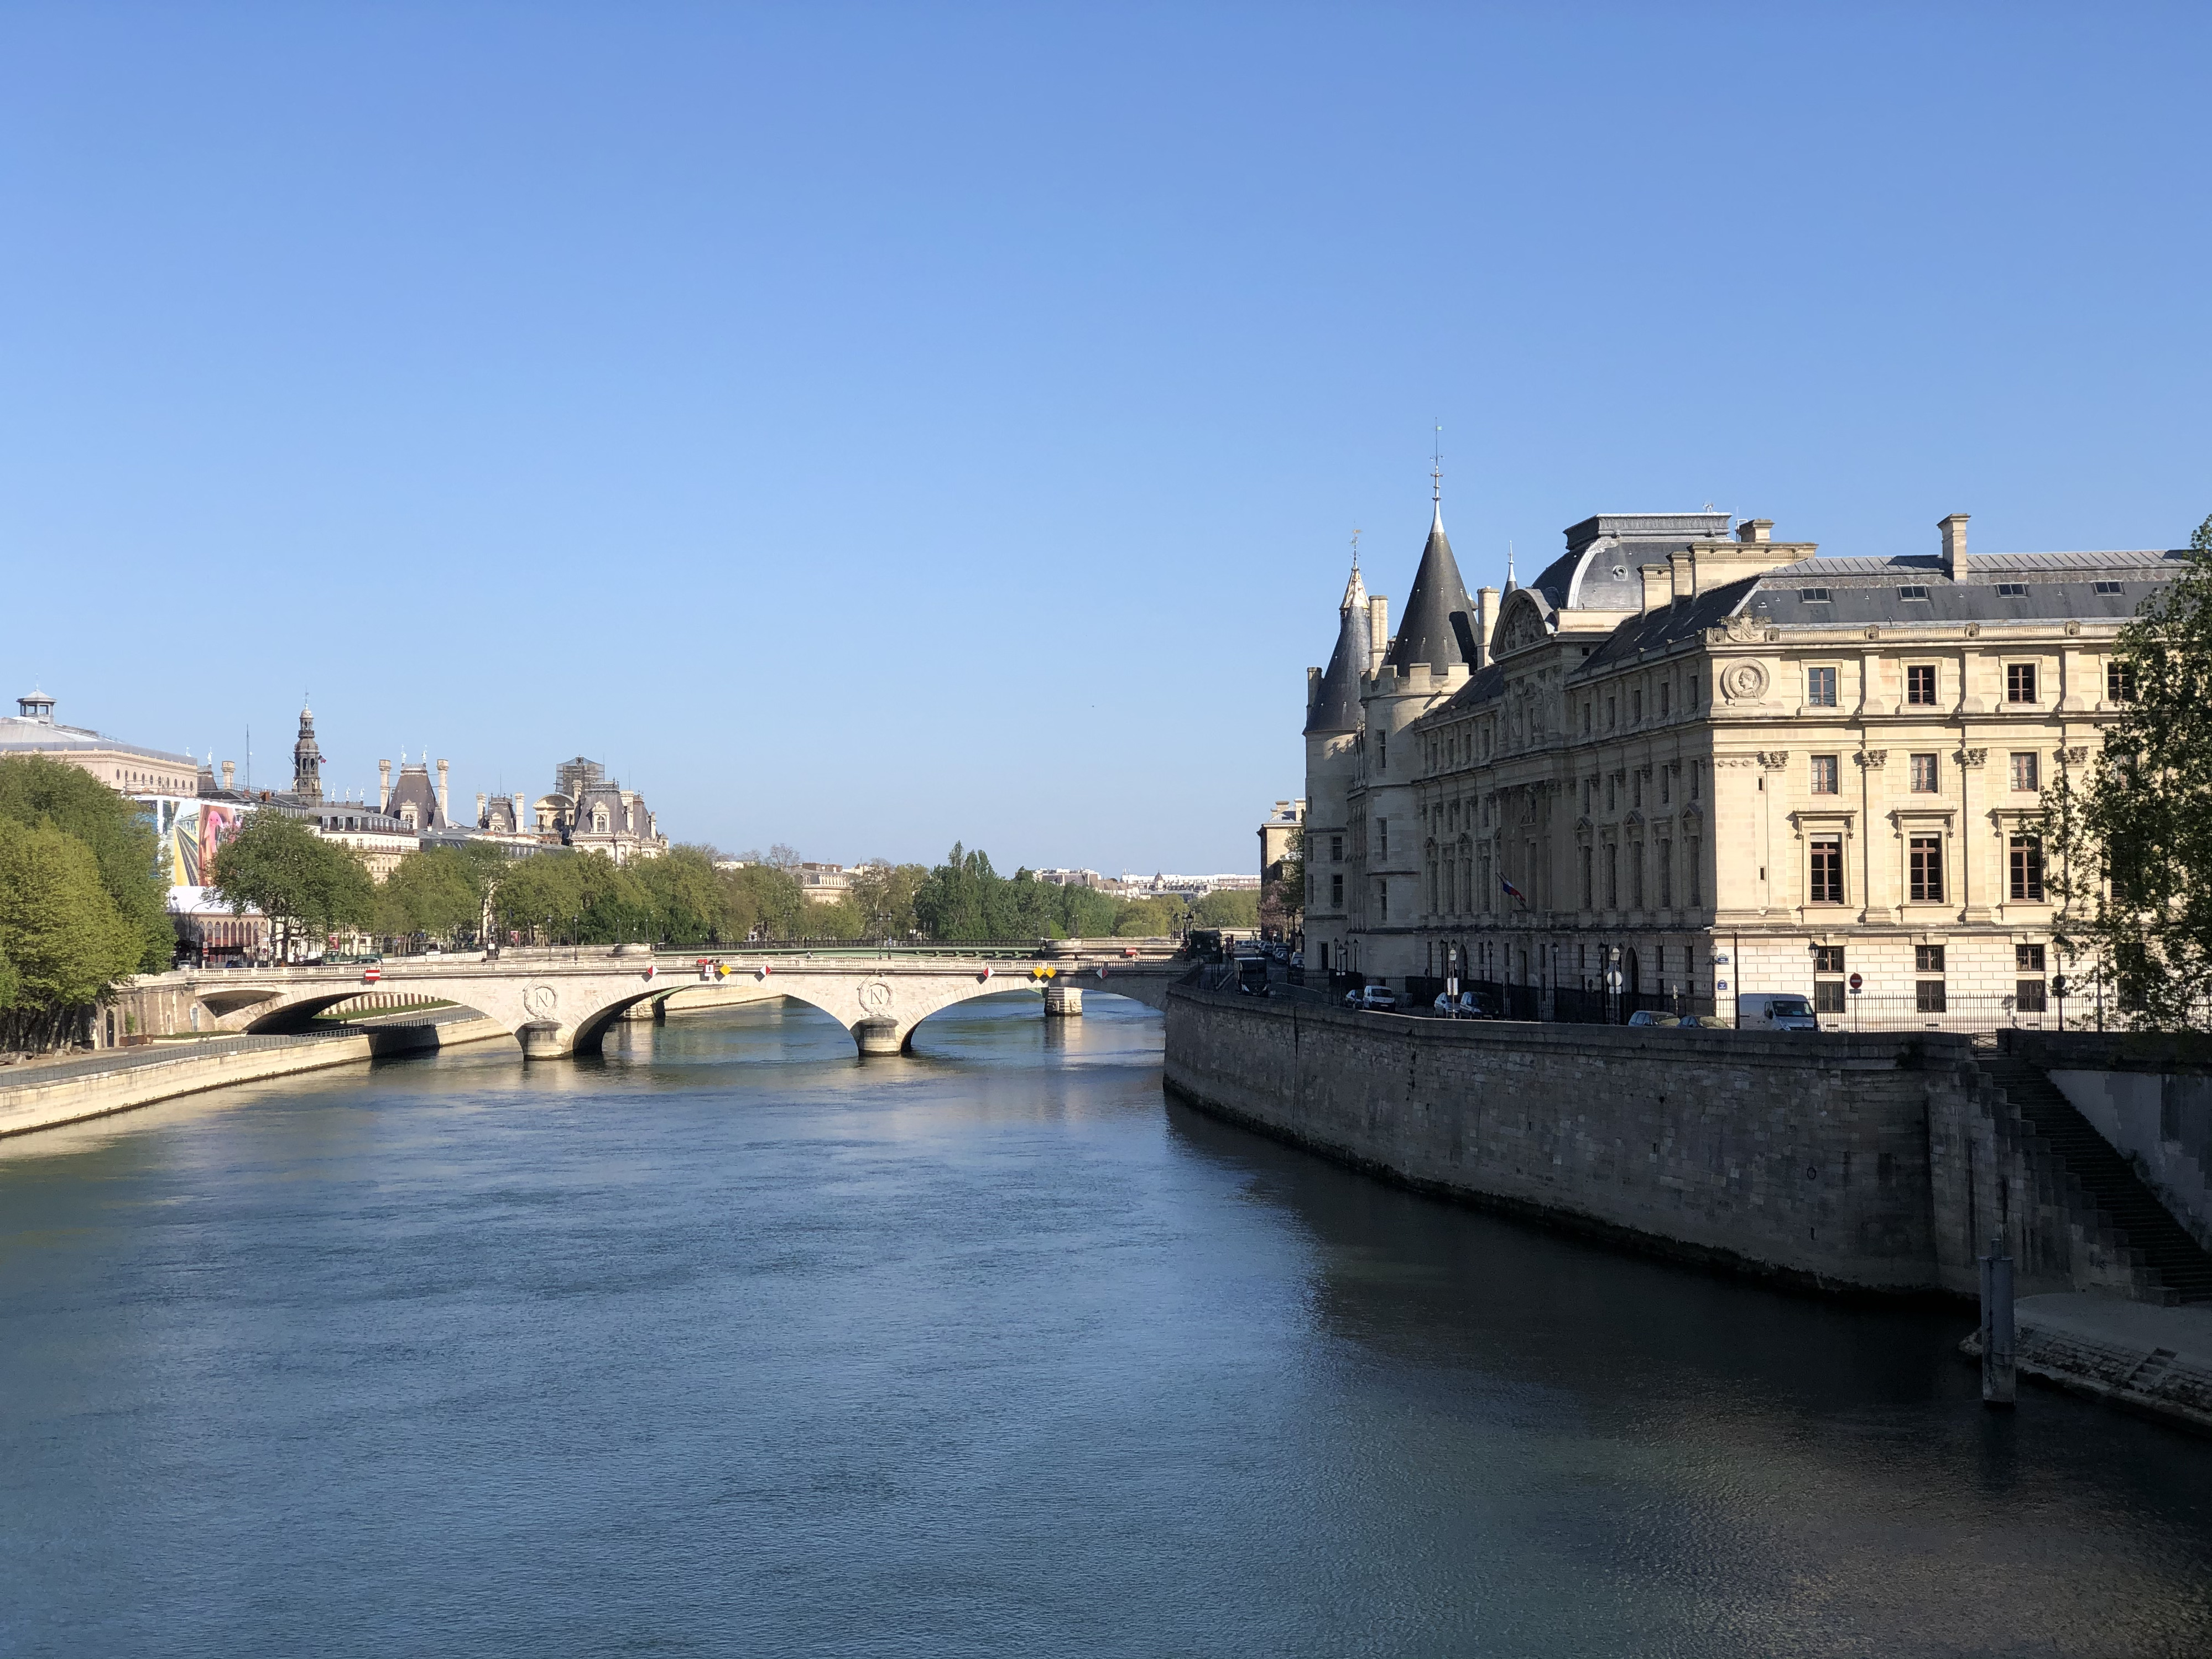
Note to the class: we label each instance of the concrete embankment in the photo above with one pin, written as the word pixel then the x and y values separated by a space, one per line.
pixel 1859 1162
pixel 116 1081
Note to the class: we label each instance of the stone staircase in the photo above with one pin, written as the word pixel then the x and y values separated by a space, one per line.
pixel 2170 1263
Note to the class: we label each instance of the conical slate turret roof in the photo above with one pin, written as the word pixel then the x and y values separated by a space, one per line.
pixel 1337 708
pixel 1438 626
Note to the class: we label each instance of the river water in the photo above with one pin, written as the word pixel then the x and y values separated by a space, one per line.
pixel 728 1344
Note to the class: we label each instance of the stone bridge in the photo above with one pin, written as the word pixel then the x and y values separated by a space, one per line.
pixel 557 1003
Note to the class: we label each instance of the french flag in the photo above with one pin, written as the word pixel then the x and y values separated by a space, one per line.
pixel 1511 891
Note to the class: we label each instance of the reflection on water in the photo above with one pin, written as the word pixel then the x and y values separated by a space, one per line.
pixel 727 1343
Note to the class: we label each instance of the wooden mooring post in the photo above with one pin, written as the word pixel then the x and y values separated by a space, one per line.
pixel 1997 1373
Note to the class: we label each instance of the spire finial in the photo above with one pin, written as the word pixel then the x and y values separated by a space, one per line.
pixel 1436 468
pixel 1510 583
pixel 1355 550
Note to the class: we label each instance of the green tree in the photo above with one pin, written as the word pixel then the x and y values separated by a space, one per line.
pixel 438 892
pixel 63 941
pixel 1287 880
pixel 685 895
pixel 563 896
pixel 1229 907
pixel 883 892
pixel 2129 844
pixel 279 866
pixel 38 789
pixel 1151 918
pixel 765 899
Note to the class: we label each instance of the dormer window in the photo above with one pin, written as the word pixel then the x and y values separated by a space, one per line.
pixel 1813 595
pixel 600 821
pixel 1912 591
pixel 2012 590
pixel 2108 587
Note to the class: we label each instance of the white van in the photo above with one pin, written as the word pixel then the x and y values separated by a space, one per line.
pixel 1775 1010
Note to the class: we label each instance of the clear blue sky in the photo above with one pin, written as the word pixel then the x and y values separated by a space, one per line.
pixel 868 426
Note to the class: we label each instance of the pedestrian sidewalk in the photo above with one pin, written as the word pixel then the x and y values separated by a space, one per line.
pixel 2133 1354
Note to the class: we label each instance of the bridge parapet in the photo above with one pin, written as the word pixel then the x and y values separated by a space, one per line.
pixel 557 1007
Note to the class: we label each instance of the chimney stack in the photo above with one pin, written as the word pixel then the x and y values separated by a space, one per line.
pixel 521 823
pixel 230 775
pixel 1486 623
pixel 1378 631
pixel 383 785
pixel 480 809
pixel 444 811
pixel 1954 546
pixel 1755 530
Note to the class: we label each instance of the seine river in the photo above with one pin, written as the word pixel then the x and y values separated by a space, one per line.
pixel 728 1344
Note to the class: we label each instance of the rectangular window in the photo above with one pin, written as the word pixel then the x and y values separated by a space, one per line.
pixel 1664 688
pixel 2108 587
pixel 1383 835
pixel 1612 877
pixel 1912 591
pixel 1381 752
pixel 1827 996
pixel 2012 590
pixel 1667 785
pixel 1924 775
pixel 1381 900
pixel 1813 595
pixel 2028 996
pixel 1827 874
pixel 1587 895
pixel 1926 958
pixel 1611 712
pixel 1336 891
pixel 2024 771
pixel 1827 958
pixel 1925 867
pixel 2020 682
pixel 1697 873
pixel 2027 869
pixel 1636 704
pixel 1820 687
pixel 1927 996
pixel 1336 849
pixel 2027 958
pixel 1636 872
pixel 1665 873
pixel 1920 684
pixel 1826 774
pixel 2119 682
pixel 1586 717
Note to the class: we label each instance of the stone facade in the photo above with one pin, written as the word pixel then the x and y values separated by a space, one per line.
pixel 589 809
pixel 126 768
pixel 1718 764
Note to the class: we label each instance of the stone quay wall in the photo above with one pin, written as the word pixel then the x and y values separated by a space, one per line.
pixel 1877 1163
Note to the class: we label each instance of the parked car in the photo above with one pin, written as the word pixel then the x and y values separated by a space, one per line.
pixel 1652 1016
pixel 1705 1023
pixel 1772 1011
pixel 1466 1005
pixel 1374 999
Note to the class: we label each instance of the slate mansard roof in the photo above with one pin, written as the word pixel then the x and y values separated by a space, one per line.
pixel 1863 592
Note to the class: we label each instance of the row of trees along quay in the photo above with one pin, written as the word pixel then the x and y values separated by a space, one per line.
pixel 312 889
pixel 2130 841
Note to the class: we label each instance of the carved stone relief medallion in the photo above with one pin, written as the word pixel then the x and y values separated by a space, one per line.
pixel 876 997
pixel 1744 682
pixel 540 1000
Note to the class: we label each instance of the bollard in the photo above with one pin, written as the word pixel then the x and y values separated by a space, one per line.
pixel 1997 1373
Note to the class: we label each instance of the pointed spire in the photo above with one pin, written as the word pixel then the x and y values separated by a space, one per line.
pixel 1336 708
pixel 1438 627
pixel 1510 583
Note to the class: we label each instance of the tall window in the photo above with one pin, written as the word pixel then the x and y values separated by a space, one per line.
pixel 1920 684
pixel 1928 994
pixel 2027 869
pixel 1586 716
pixel 1664 689
pixel 1587 894
pixel 1666 874
pixel 2020 682
pixel 1336 891
pixel 1827 874
pixel 1381 750
pixel 1825 775
pixel 1820 687
pixel 1925 867
pixel 1696 872
pixel 2024 771
pixel 2119 682
pixel 1636 872
pixel 1827 958
pixel 1924 775
pixel 2029 991
pixel 1613 877
pixel 1383 838
pixel 1636 704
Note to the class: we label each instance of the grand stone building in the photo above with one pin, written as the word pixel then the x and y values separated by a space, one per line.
pixel 1713 764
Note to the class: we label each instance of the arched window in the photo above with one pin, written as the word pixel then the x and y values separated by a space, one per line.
pixel 600 820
